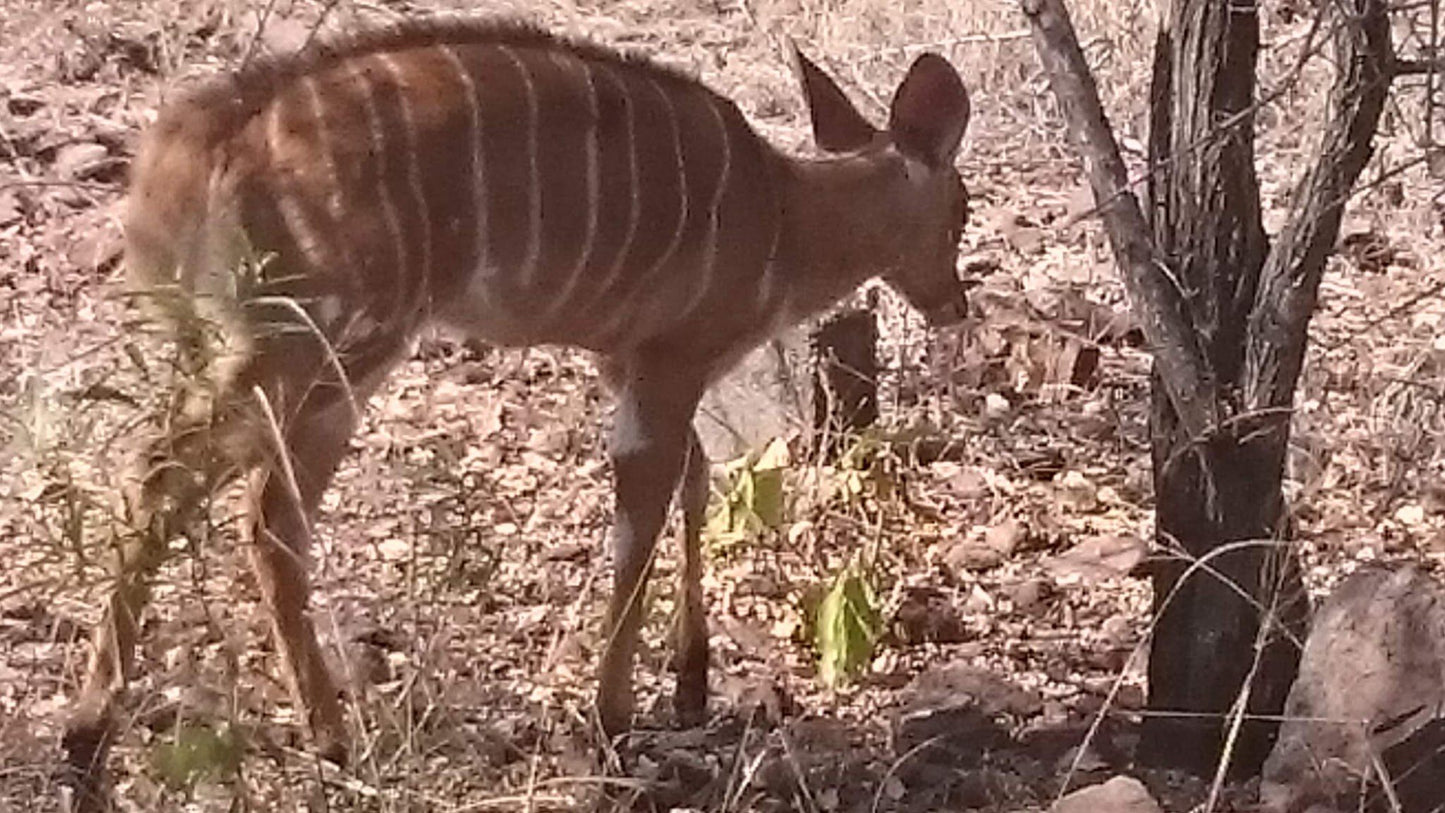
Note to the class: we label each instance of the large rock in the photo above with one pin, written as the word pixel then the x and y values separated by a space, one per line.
pixel 766 396
pixel 1370 697
pixel 956 712
pixel 819 380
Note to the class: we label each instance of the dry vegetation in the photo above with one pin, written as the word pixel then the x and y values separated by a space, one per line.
pixel 461 565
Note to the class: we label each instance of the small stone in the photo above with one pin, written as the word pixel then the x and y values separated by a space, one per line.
pixel 1028 596
pixel 972 554
pixel 995 406
pixel 1122 794
pixel 969 483
pixel 1078 493
pixel 1005 537
pixel 393 549
pixel 1412 515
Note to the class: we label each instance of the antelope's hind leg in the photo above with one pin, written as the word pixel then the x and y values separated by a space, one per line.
pixel 282 501
pixel 174 474
pixel 308 391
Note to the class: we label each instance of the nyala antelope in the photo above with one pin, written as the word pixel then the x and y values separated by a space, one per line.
pixel 297 223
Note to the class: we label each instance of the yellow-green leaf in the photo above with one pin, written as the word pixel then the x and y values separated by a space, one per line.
pixel 847 628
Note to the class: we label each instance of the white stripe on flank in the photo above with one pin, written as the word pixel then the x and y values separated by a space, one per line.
pixel 634 213
pixel 483 269
pixel 413 172
pixel 534 187
pixel 378 149
pixel 627 308
pixel 682 201
pixel 286 204
pixel 334 203
pixel 709 257
pixel 590 148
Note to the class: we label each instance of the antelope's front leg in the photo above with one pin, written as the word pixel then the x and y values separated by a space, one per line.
pixel 649 449
pixel 279 530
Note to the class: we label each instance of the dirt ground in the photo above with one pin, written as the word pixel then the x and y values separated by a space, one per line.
pixel 461 566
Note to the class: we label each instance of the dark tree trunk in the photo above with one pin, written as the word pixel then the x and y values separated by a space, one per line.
pixel 1205 218
pixel 845 377
pixel 1220 515
pixel 1226 316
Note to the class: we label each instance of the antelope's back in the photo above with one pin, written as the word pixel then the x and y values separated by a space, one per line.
pixel 523 187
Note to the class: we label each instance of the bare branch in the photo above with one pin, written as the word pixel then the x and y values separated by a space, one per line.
pixel 1290 281
pixel 1417 67
pixel 1156 299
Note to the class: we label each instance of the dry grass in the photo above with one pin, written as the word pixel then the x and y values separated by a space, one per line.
pixel 460 569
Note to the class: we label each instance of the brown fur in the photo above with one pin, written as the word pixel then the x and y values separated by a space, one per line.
pixel 298 222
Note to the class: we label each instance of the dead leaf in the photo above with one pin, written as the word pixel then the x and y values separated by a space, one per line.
pixel 1098 558
pixel 80 161
pixel 10 210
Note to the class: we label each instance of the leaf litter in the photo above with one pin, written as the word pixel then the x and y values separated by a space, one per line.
pixel 461 564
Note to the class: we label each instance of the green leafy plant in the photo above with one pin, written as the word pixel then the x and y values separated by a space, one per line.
pixel 752 500
pixel 197 753
pixel 869 466
pixel 847 628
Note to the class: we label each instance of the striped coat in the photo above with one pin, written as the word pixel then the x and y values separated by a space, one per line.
pixel 297 223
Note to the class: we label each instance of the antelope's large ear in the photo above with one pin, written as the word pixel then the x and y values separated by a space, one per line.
pixel 930 111
pixel 837 124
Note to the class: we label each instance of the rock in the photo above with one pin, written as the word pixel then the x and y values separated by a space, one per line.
pixel 817 379
pixel 995 407
pixel 1122 794
pixel 1371 683
pixel 1097 558
pixel 81 161
pixel 1077 493
pixel 986 550
pixel 926 615
pixel 961 709
pixel 967 482
pixel 973 554
pixel 766 396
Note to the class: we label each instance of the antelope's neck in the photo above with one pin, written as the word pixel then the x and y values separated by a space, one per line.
pixel 841 226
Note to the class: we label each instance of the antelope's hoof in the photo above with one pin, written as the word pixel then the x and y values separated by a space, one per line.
pixel 689 705
pixel 86 744
pixel 333 749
